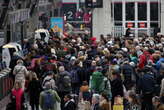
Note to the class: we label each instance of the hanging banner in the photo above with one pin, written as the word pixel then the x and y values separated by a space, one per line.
pixel 57 24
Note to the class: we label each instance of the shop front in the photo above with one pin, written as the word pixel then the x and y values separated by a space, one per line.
pixel 141 16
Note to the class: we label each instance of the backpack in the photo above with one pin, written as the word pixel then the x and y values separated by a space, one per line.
pixel 48 100
pixel 65 82
pixel 74 76
pixel 97 82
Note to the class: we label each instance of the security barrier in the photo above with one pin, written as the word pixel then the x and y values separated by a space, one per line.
pixel 6 83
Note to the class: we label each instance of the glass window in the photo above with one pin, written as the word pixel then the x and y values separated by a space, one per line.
pixel 130 13
pixel 154 25
pixel 118 11
pixel 142 11
pixel 154 11
pixel 118 23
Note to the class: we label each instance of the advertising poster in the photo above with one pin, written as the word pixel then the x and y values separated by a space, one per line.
pixel 57 24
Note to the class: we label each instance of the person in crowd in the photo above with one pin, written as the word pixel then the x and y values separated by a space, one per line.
pixel 69 103
pixel 49 78
pixel 128 32
pixel 63 84
pixel 34 88
pixel 157 103
pixel 146 85
pixel 104 102
pixel 162 91
pixel 100 83
pixel 127 71
pixel 134 101
pixel 95 102
pixel 84 92
pixel 48 98
pixel 13 63
pixel 20 72
pixel 18 94
pixel 159 64
pixel 116 86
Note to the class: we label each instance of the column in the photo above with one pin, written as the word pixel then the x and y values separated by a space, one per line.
pixel 162 16
pixel 102 23
pixel 136 19
pixel 124 15
pixel 148 17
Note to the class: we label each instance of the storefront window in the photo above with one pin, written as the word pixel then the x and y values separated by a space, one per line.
pixel 154 11
pixel 130 11
pixel 118 11
pixel 142 11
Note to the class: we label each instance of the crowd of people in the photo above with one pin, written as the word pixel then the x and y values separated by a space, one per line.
pixel 78 72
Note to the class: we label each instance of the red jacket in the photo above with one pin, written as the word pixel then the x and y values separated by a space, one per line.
pixel 19 97
pixel 143 59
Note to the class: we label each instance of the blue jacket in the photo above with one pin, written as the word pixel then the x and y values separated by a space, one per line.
pixel 159 62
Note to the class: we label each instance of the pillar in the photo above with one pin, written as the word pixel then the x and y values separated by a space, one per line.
pixel 162 16
pixel 102 23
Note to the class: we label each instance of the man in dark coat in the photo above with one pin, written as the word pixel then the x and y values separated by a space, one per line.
pixel 69 103
pixel 146 85
pixel 116 85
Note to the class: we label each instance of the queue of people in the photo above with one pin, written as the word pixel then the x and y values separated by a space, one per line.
pixel 81 73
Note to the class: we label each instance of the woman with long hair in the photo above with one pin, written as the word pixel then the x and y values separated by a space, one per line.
pixel 18 94
pixel 104 102
pixel 134 101
pixel 34 89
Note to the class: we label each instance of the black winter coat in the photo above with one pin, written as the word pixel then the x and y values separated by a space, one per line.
pixel 117 87
pixel 34 88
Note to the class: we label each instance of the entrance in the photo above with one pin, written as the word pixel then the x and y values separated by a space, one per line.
pixel 141 16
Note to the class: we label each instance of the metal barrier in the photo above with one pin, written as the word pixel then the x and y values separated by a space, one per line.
pixel 118 31
pixel 6 83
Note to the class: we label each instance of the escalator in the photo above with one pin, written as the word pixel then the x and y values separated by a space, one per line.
pixel 4 12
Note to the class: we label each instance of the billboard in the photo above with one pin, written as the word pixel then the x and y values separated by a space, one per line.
pixel 69 10
pixel 57 24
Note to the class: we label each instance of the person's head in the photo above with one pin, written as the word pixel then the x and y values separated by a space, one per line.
pixel 104 96
pixel 50 73
pixel 34 76
pixel 48 85
pixel 95 98
pixel 132 98
pixel 67 97
pixel 17 85
pixel 156 101
pixel 20 61
pixel 85 83
pixel 93 63
pixel 61 69
pixel 115 74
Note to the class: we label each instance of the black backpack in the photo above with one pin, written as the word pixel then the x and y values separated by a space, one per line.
pixel 65 82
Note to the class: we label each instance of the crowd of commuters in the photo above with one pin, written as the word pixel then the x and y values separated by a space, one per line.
pixel 77 72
